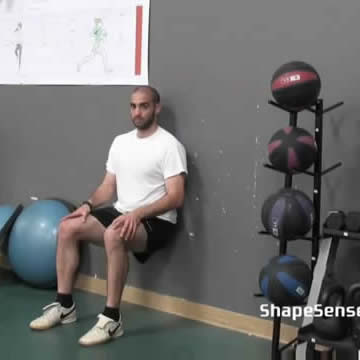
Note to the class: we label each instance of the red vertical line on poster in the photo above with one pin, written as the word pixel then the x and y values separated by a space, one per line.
pixel 138 45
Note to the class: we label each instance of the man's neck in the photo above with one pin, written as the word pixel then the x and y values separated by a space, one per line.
pixel 148 132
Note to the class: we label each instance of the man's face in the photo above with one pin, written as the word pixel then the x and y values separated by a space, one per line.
pixel 143 110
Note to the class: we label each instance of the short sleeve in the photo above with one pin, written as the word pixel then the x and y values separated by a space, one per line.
pixel 110 160
pixel 175 160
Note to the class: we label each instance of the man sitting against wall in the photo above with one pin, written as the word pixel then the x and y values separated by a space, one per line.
pixel 146 169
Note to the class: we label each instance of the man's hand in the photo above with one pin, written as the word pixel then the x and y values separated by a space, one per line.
pixel 127 224
pixel 82 212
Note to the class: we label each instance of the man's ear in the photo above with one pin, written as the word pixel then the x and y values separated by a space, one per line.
pixel 158 108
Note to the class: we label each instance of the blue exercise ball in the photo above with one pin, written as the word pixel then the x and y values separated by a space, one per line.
pixel 6 211
pixel 32 242
pixel 8 215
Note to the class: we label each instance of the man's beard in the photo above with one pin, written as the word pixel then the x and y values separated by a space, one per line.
pixel 146 124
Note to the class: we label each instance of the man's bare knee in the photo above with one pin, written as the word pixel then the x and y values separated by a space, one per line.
pixel 112 239
pixel 76 229
pixel 69 229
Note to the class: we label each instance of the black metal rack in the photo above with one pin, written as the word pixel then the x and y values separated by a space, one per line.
pixel 318 110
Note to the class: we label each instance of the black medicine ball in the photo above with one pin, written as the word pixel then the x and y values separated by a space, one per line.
pixel 296 85
pixel 292 149
pixel 285 280
pixel 288 214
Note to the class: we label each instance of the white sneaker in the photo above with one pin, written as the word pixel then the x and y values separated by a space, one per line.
pixel 54 314
pixel 104 330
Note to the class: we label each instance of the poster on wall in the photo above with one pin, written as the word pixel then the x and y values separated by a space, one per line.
pixel 74 42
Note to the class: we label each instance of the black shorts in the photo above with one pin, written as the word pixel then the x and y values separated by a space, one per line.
pixel 159 231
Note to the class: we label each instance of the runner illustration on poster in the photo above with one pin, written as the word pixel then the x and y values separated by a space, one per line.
pixel 18 44
pixel 99 36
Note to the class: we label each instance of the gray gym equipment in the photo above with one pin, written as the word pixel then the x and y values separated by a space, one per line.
pixel 307 339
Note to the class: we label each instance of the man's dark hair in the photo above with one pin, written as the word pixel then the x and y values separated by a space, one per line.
pixel 154 93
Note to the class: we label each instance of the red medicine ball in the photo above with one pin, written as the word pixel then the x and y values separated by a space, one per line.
pixel 292 149
pixel 296 85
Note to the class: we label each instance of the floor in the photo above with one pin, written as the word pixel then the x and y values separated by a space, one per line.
pixel 149 334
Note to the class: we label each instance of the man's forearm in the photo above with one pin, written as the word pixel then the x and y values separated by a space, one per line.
pixel 102 195
pixel 158 207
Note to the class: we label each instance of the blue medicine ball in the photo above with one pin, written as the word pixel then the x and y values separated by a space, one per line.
pixel 285 280
pixel 32 242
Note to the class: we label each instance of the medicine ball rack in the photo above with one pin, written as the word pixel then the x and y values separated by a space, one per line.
pixel 318 110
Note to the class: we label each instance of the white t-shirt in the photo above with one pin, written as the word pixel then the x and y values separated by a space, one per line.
pixel 142 165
